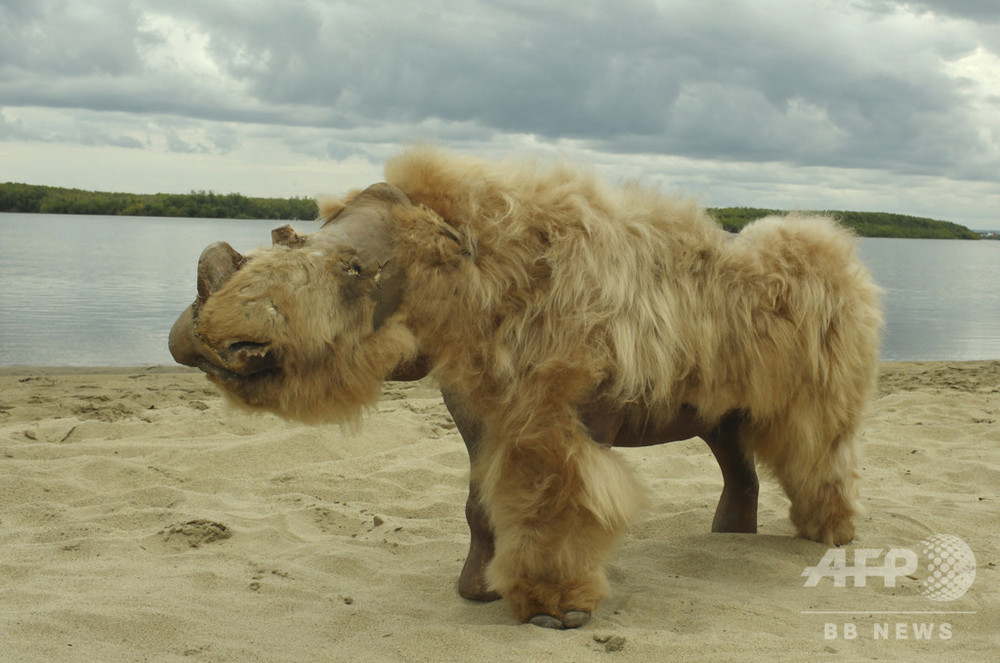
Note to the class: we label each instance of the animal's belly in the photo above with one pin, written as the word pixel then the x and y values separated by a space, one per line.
pixel 613 428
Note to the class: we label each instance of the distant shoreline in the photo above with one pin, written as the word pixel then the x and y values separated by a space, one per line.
pixel 36 199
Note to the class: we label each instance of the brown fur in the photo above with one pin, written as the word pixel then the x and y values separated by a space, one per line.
pixel 534 289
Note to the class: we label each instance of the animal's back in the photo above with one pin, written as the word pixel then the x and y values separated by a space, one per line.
pixel 645 292
pixel 572 268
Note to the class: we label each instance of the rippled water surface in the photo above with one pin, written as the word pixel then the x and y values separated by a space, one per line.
pixel 97 290
pixel 103 291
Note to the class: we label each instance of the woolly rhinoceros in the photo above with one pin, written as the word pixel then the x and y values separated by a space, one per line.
pixel 561 317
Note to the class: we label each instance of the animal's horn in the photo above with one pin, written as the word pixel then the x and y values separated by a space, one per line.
pixel 218 262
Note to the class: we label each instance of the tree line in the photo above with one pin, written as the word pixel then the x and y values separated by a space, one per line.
pixel 865 224
pixel 29 198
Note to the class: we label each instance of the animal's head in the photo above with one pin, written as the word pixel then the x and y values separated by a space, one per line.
pixel 311 327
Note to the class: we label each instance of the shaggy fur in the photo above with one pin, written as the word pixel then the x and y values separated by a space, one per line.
pixel 573 287
pixel 532 290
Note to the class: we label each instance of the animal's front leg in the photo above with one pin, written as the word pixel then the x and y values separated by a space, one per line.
pixel 472 583
pixel 558 502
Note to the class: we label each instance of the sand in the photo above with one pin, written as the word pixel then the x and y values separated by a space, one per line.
pixel 141 519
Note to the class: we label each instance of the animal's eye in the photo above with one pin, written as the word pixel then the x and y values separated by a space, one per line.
pixel 352 268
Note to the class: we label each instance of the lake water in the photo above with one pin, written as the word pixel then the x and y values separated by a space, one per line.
pixel 104 291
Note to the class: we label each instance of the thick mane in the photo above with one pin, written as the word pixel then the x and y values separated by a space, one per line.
pixel 655 301
pixel 556 243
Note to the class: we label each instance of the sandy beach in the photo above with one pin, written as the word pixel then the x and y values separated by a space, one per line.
pixel 141 519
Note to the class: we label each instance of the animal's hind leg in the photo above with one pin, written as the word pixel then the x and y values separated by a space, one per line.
pixel 818 473
pixel 737 509
pixel 472 583
pixel 824 502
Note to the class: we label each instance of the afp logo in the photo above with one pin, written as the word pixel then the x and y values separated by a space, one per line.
pixel 948 566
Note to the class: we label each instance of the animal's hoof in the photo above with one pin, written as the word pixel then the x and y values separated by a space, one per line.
pixel 572 619
pixel 476 594
pixel 546 621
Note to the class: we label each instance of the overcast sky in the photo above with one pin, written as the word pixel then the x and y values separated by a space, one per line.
pixel 811 104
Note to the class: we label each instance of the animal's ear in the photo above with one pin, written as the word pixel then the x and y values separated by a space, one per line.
pixel 429 235
pixel 331 206
pixel 286 236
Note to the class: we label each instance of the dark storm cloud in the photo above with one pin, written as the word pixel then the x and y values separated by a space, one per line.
pixel 976 10
pixel 842 84
pixel 686 79
pixel 50 38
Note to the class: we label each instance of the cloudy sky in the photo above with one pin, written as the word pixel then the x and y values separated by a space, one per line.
pixel 811 104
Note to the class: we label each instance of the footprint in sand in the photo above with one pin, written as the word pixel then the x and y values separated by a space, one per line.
pixel 195 533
